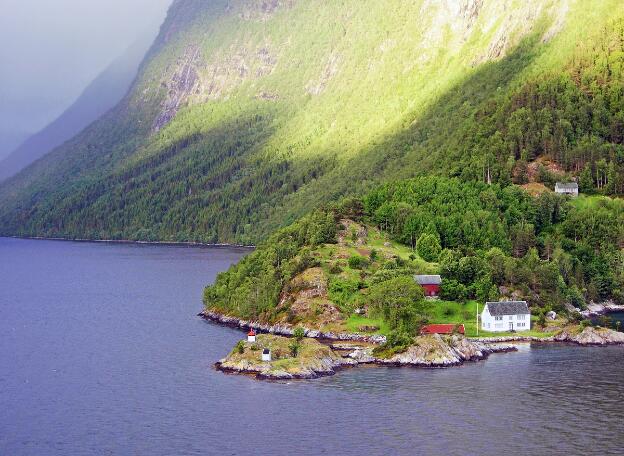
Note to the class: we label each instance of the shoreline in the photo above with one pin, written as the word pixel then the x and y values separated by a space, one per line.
pixel 428 352
pixel 129 241
pixel 287 330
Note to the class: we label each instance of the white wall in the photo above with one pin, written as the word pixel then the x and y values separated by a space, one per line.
pixel 491 324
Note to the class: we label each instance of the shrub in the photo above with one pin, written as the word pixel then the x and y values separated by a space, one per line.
pixel 335 268
pixel 605 321
pixel 294 347
pixel 341 292
pixel 240 347
pixel 452 290
pixel 299 333
pixel 396 342
pixel 357 262
pixel 373 255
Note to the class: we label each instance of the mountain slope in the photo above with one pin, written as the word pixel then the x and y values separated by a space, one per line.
pixel 249 113
pixel 100 96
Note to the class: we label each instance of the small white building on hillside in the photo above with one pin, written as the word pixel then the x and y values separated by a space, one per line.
pixel 570 188
pixel 506 316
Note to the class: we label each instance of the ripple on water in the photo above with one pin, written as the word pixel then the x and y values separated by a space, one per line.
pixel 101 353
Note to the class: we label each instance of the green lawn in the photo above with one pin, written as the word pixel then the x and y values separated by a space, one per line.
pixel 465 313
pixel 355 321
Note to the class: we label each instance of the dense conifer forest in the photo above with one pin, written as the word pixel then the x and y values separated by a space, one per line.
pixel 247 115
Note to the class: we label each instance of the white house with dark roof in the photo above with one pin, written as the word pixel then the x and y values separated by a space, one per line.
pixel 570 188
pixel 506 316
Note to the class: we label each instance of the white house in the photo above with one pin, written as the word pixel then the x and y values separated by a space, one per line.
pixel 251 335
pixel 506 316
pixel 570 188
pixel 266 355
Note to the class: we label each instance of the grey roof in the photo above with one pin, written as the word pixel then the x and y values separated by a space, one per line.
pixel 508 308
pixel 566 186
pixel 428 279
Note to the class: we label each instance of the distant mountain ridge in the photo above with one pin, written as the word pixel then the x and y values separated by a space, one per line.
pixel 100 96
pixel 247 114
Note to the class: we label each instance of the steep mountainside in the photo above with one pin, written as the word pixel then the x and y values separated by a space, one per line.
pixel 249 113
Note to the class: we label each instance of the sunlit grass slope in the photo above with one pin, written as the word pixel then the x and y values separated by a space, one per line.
pixel 249 113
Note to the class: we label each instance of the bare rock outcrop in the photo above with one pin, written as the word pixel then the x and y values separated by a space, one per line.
pixel 591 336
pixel 433 351
pixel 313 360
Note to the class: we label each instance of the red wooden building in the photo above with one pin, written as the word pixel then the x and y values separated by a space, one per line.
pixel 430 284
pixel 442 329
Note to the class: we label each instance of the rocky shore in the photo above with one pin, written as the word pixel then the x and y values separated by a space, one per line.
pixel 287 330
pixel 571 334
pixel 313 360
pixel 317 359
pixel 434 351
pixel 598 309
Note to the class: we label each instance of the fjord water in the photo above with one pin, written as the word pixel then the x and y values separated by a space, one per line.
pixel 101 354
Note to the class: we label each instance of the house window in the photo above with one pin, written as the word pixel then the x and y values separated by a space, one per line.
pixel 498 318
pixel 521 317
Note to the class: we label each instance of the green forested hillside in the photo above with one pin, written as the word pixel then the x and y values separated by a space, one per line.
pixel 248 114
pixel 486 241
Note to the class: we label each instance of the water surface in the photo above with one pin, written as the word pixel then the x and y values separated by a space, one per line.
pixel 101 354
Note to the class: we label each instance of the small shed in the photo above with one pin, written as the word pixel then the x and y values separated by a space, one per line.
pixel 251 335
pixel 443 329
pixel 569 188
pixel 429 283
pixel 266 355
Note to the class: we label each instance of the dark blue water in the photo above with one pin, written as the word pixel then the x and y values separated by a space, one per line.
pixel 101 354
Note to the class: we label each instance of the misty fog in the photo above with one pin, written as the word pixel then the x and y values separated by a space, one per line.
pixel 50 50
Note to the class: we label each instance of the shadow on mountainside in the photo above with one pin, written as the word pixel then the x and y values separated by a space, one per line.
pixel 420 148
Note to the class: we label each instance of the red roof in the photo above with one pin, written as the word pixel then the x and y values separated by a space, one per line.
pixel 251 332
pixel 442 329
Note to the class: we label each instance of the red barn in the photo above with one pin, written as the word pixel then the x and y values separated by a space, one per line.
pixel 430 284
pixel 442 329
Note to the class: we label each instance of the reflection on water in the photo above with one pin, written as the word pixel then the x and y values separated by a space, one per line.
pixel 102 354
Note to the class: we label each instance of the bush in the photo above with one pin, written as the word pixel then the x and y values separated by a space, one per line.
pixel 605 321
pixel 452 290
pixel 585 323
pixel 240 347
pixel 341 291
pixel 396 342
pixel 294 347
pixel 373 255
pixel 428 247
pixel 357 262
pixel 398 339
pixel 299 333
pixel 335 269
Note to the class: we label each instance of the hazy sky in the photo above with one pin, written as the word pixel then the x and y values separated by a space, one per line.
pixel 50 50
